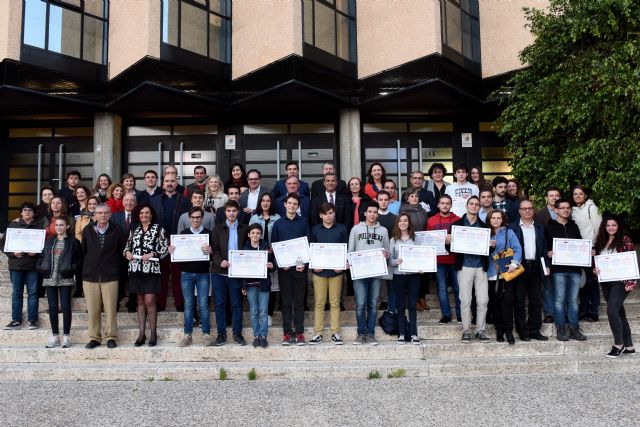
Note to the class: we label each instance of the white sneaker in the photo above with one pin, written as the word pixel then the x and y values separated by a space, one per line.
pixel 54 341
pixel 269 321
pixel 415 340
pixel 66 341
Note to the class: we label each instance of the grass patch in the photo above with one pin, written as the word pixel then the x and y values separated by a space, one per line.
pixel 398 373
pixel 150 379
pixel 167 379
pixel 374 375
pixel 223 375
pixel 251 376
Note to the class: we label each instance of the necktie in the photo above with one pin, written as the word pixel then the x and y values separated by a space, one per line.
pixel 127 221
pixel 331 199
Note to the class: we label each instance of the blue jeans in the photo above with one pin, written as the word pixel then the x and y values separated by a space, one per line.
pixel 407 288
pixel 449 270
pixel 548 296
pixel 366 292
pixel 258 307
pixel 191 282
pixel 223 285
pixel 566 287
pixel 19 279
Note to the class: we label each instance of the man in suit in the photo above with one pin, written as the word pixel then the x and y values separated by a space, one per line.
pixel 317 187
pixel 534 247
pixel 126 222
pixel 426 198
pixel 280 188
pixel 330 194
pixel 543 216
pixel 293 186
pixel 250 199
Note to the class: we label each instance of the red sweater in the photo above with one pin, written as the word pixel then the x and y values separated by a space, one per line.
pixel 115 205
pixel 439 222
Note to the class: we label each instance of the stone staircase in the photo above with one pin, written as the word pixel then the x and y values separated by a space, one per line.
pixel 24 357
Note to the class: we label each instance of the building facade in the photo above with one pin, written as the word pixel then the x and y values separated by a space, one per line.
pixel 124 86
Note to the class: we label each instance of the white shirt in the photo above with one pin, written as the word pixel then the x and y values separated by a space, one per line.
pixel 329 198
pixel 252 198
pixel 529 236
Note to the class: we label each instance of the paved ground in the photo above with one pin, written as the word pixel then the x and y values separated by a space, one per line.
pixel 581 400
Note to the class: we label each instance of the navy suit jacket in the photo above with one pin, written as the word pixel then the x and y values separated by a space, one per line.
pixel 342 209
pixel 317 188
pixel 118 218
pixel 305 207
pixel 280 189
pixel 541 244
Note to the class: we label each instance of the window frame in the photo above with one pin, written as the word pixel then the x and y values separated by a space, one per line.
pixel 452 53
pixel 350 15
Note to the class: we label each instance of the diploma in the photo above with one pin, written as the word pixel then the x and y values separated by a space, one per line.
pixel 27 240
pixel 189 247
pixel 459 206
pixel 617 267
pixel 572 252
pixel 435 238
pixel 288 252
pixel 369 263
pixel 248 264
pixel 328 256
pixel 470 240
pixel 417 259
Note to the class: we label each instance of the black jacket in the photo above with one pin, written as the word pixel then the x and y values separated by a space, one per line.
pixel 569 230
pixel 460 257
pixel 317 188
pixel 69 261
pixel 220 245
pixel 541 245
pixel 102 264
pixel 25 262
pixel 344 215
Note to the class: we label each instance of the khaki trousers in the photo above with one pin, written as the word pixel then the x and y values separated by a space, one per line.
pixel 98 295
pixel 320 287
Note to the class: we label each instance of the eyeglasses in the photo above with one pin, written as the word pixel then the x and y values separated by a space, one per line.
pixel 253 179
pixel 526 209
pixel 195 217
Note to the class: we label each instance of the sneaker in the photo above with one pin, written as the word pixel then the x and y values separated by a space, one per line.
pixel 185 341
pixel 256 342
pixel 615 352
pixel 220 340
pixel 400 339
pixel 54 341
pixel 207 341
pixel 562 334
pixel 360 339
pixel 66 341
pixel 415 340
pixel 482 337
pixel 466 337
pixel 269 321
pixel 263 342
pixel 239 339
pixel 286 340
pixel 575 334
pixel 316 339
pixel 33 325
pixel 445 319
pixel 371 340
pixel 14 324
pixel 336 339
pixel 300 340
pixel 632 351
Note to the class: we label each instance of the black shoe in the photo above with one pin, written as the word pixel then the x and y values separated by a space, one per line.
pixel 445 319
pixel 306 307
pixel 153 339
pixel 383 306
pixel 239 339
pixel 538 336
pixel 263 342
pixel 256 342
pixel 160 308
pixel 510 339
pixel 111 344
pixel 131 310
pixel 627 351
pixel 326 307
pixel 220 340
pixel 499 336
pixel 575 334
pixel 615 352
pixel 180 308
pixel 92 344
pixel 342 307
pixel 525 338
pixel 548 319
pixel 140 341
pixel 583 316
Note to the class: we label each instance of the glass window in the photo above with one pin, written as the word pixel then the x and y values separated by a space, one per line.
pixel 65 28
pixel 308 21
pixel 325 28
pixel 461 27
pixel 331 26
pixel 199 26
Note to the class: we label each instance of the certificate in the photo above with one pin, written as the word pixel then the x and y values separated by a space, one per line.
pixel 435 238
pixel 248 264
pixel 572 252
pixel 470 240
pixel 617 267
pixel 459 206
pixel 369 263
pixel 28 240
pixel 328 256
pixel 289 252
pixel 417 259
pixel 189 247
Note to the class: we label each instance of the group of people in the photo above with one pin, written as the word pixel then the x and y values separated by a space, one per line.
pixel 114 239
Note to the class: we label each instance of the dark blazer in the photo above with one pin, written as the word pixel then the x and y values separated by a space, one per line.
pixel 460 257
pixel 244 197
pixel 305 206
pixel 221 217
pixel 118 218
pixel 220 245
pixel 342 208
pixel 182 205
pixel 427 197
pixel 317 188
pixel 102 264
pixel 543 216
pixel 281 190
pixel 541 245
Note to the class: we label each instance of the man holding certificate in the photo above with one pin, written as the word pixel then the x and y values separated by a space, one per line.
pixel 565 278
pixel 328 264
pixel 293 278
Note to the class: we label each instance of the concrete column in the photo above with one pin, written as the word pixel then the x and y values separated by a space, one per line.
pixel 107 145
pixel 350 147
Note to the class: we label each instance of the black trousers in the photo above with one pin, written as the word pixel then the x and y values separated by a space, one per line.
pixel 292 286
pixel 501 306
pixel 615 295
pixel 528 286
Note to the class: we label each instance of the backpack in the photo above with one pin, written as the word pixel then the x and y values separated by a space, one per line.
pixel 389 323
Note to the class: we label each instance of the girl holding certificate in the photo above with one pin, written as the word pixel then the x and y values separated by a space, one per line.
pixel 501 294
pixel 611 239
pixel 406 285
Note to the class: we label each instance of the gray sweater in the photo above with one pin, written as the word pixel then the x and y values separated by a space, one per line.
pixel 394 253
pixel 364 237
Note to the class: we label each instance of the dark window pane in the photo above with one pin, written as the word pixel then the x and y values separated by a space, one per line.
pixel 170 22
pixel 325 28
pixel 343 37
pixel 475 8
pixel 64 31
pixel 308 21
pixel 219 6
pixel 217 38
pixel 35 21
pixel 76 3
pixel 465 5
pixel 94 7
pixel 193 29
pixel 343 6
pixel 466 35
pixel 93 40
pixel 454 30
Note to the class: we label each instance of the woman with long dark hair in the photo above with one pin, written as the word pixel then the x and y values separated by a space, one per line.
pixel 237 177
pixel 102 185
pixel 611 239
pixel 376 176
pixel 80 196
pixel 359 199
pixel 46 194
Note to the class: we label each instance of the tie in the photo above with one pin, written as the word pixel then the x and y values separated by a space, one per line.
pixel 331 199
pixel 127 221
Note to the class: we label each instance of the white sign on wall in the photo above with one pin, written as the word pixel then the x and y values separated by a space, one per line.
pixel 467 140
pixel 229 142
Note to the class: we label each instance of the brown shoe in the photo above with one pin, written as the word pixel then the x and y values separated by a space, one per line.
pixel 421 305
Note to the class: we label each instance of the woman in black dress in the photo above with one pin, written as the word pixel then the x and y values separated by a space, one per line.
pixel 146 245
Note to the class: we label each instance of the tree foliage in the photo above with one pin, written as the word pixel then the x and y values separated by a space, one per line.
pixel 572 115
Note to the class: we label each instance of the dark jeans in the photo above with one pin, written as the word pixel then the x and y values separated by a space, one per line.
pixel 501 306
pixel 292 286
pixel 64 293
pixel 528 285
pixel 615 295
pixel 20 279
pixel 223 286
pixel 407 287
pixel 590 295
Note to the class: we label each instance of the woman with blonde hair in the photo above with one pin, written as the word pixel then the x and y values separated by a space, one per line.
pixel 215 197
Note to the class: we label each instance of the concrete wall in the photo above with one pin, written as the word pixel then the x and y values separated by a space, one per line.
pixel 392 32
pixel 503 34
pixel 10 28
pixel 134 32
pixel 263 32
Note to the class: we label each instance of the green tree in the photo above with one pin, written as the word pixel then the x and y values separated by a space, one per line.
pixel 572 115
